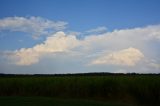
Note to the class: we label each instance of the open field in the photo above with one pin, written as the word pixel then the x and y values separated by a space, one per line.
pixel 128 89
pixel 46 101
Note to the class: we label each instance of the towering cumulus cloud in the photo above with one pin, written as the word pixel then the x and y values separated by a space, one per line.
pixel 134 48
pixel 58 42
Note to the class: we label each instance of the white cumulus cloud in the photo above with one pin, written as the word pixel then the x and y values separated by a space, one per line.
pixel 132 49
pixel 125 57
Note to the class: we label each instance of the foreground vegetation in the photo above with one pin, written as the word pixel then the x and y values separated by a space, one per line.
pixel 129 89
pixel 46 101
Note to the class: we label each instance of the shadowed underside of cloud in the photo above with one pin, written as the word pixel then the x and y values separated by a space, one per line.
pixel 119 48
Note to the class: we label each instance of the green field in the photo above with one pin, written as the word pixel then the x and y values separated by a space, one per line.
pixel 81 90
pixel 46 101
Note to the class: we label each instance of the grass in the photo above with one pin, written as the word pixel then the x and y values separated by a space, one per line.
pixel 134 89
pixel 46 101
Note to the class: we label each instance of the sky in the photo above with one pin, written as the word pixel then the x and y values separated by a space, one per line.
pixel 79 36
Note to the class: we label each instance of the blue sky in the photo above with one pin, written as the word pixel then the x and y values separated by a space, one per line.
pixel 29 23
pixel 87 14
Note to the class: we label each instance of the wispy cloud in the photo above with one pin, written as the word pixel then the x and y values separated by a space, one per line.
pixel 100 29
pixel 35 26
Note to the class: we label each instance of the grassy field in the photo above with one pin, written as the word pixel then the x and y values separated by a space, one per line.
pixel 46 101
pixel 129 89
